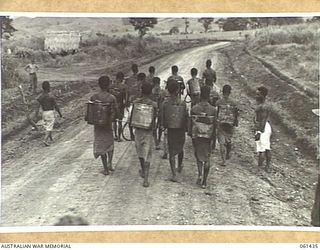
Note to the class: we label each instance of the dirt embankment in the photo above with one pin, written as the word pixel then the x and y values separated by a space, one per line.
pixel 291 106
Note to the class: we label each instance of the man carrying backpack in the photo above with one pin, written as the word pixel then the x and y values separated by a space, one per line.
pixel 174 118
pixel 179 80
pixel 201 138
pixel 144 135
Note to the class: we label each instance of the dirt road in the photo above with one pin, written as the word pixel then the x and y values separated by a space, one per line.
pixel 47 183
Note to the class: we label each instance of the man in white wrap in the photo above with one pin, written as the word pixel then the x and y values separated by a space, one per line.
pixel 263 130
pixel 48 105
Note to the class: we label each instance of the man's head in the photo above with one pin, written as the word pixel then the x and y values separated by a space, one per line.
pixel 104 82
pixel 152 70
pixel 146 89
pixel 194 72
pixel 226 90
pixel 32 60
pixel 261 94
pixel 134 68
pixel 174 69
pixel 156 81
pixel 46 86
pixel 172 87
pixel 208 63
pixel 120 76
pixel 205 93
pixel 141 77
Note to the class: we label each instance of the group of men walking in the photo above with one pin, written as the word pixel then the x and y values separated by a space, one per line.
pixel 158 112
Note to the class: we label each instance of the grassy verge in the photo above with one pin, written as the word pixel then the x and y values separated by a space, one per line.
pixel 293 50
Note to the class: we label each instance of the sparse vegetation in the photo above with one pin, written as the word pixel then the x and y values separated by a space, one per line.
pixel 206 22
pixel 293 49
pixel 143 24
pixel 6 26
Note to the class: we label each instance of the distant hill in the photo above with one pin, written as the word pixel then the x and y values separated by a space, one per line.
pixel 38 26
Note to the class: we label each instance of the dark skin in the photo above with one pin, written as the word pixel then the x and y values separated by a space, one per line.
pixel 107 158
pixel 193 98
pixel 262 115
pixel 203 167
pixel 225 149
pixel 145 166
pixel 172 157
pixel 135 73
pixel 118 125
pixel 157 131
pixel 48 134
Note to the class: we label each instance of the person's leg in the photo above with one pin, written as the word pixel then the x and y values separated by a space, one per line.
pixel 180 161
pixel 115 129
pixel 165 146
pixel 142 170
pixel 268 160
pixel 146 174
pixel 214 140
pixel 110 157
pixel 31 82
pixel 222 153
pixel 105 164
pixel 35 83
pixel 159 131
pixel 200 172
pixel 261 159
pixel 46 137
pixel 50 136
pixel 172 161
pixel 228 147
pixel 119 129
pixel 206 169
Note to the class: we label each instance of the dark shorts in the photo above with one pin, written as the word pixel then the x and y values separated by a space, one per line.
pixel 224 133
pixel 202 148
pixel 176 140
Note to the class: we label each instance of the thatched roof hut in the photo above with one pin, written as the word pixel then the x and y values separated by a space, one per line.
pixel 57 41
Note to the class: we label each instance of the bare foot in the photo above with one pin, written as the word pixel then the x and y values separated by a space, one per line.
pixel 104 172
pixel 180 168
pixel 199 181
pixel 173 179
pixel 110 167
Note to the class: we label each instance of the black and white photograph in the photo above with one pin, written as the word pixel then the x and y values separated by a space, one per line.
pixel 160 120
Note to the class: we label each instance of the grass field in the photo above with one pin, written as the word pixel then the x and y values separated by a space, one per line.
pixel 293 49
